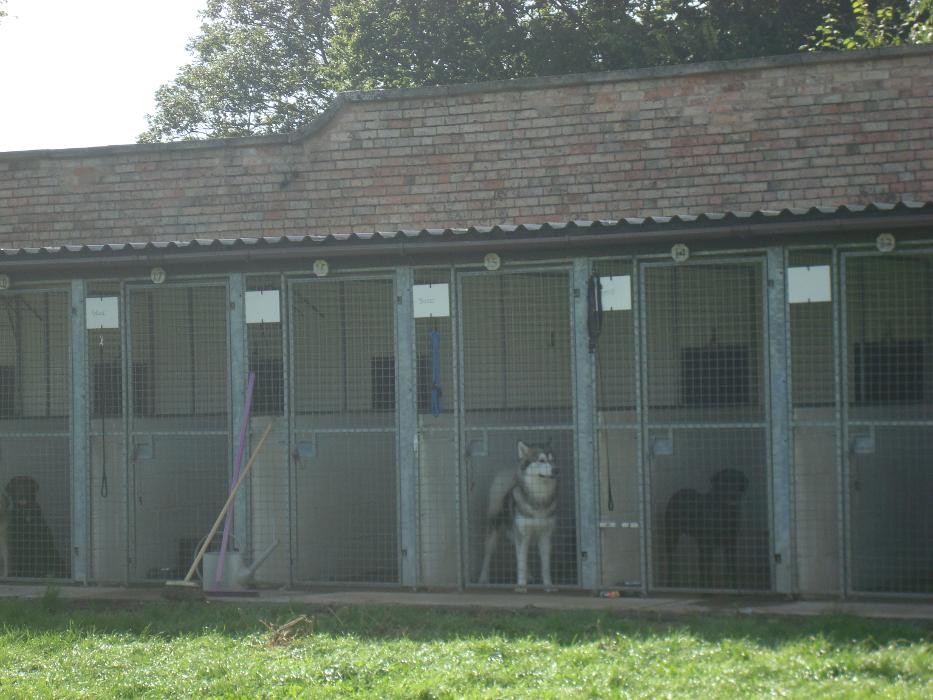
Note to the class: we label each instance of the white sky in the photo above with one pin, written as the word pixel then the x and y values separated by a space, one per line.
pixel 77 73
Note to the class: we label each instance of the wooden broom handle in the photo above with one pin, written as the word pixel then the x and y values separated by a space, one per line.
pixel 223 511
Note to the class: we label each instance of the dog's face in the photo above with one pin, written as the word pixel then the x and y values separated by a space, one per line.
pixel 536 461
pixel 729 484
pixel 22 491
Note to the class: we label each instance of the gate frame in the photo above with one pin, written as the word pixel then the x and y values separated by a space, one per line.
pixel 128 287
pixel 303 277
pixel 78 521
pixel 843 253
pixel 764 259
pixel 573 268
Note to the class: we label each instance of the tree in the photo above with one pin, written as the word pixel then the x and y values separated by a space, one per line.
pixel 269 66
pixel 429 42
pixel 909 22
pixel 259 68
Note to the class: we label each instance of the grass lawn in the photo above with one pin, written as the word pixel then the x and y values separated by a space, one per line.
pixel 53 648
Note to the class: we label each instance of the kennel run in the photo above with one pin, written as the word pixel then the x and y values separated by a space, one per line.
pixel 754 418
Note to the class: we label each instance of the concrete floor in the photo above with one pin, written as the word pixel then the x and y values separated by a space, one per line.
pixel 905 609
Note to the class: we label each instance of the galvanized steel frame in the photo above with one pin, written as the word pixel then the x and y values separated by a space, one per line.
pixel 77 424
pixel 771 319
pixel 778 421
pixel 585 505
pixel 129 287
pixel 407 563
pixel 80 438
pixel 846 424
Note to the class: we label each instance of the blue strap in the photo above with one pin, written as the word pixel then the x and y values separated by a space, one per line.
pixel 435 373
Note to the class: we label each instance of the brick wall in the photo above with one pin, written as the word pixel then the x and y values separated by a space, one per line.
pixel 768 133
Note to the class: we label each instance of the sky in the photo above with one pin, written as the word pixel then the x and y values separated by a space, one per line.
pixel 76 73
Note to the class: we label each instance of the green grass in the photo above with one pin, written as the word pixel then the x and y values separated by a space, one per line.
pixel 54 648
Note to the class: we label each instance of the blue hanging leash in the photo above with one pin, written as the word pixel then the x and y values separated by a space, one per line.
pixel 435 372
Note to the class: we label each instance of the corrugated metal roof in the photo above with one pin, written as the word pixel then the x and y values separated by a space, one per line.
pixel 707 221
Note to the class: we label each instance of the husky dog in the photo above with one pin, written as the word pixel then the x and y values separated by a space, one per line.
pixel 712 519
pixel 523 506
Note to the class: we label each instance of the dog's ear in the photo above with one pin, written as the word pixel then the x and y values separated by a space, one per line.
pixel 523 451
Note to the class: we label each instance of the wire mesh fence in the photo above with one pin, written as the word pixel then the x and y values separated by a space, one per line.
pixel 888 327
pixel 35 435
pixel 706 441
pixel 344 443
pixel 518 443
pixel 179 430
pixel 682 426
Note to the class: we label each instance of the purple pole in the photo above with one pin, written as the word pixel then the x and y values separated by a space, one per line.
pixel 238 463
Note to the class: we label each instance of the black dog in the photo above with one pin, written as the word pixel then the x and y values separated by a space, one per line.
pixel 712 519
pixel 31 544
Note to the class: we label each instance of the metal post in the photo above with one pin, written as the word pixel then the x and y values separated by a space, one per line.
pixel 641 353
pixel 841 387
pixel 80 436
pixel 407 441
pixel 288 344
pixel 129 410
pixel 236 325
pixel 584 420
pixel 779 412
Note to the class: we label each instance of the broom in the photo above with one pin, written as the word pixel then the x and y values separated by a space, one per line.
pixel 186 588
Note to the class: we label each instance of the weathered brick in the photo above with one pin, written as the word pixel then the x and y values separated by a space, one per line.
pixel 818 132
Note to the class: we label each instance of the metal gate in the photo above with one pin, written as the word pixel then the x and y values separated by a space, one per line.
pixel 705 418
pixel 516 379
pixel 888 427
pixel 179 436
pixel 35 433
pixel 344 424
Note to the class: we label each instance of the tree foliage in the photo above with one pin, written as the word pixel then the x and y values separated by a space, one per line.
pixel 885 25
pixel 268 66
pixel 260 67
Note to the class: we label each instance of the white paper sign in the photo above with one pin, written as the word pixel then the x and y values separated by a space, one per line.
pixel 806 285
pixel 431 300
pixel 617 293
pixel 102 312
pixel 262 307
